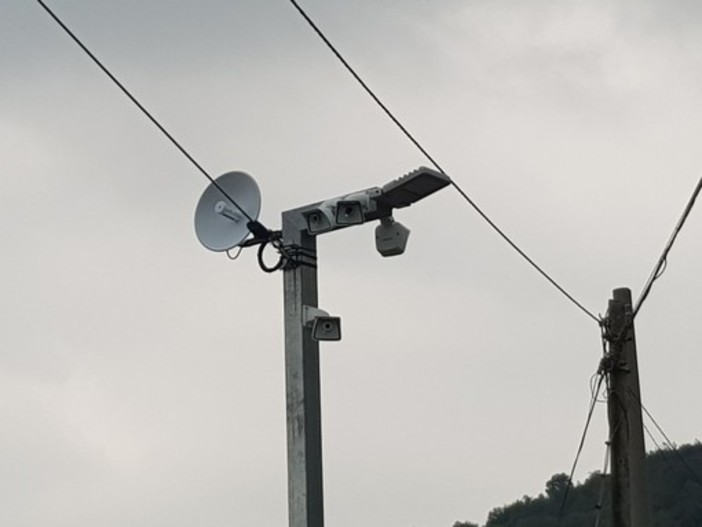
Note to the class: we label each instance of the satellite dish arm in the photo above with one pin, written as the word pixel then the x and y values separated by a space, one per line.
pixel 258 230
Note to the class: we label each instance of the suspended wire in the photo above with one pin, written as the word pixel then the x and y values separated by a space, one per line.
pixel 671 445
pixel 523 254
pixel 593 383
pixel 593 388
pixel 662 262
pixel 365 86
pixel 596 381
pixel 433 161
pixel 593 403
pixel 234 253
pixel 664 454
pixel 144 110
pixel 652 438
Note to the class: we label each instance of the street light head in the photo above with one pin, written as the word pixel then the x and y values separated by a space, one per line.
pixel 412 187
pixel 391 237
pixel 375 204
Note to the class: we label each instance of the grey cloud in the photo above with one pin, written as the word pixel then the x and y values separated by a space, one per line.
pixel 148 373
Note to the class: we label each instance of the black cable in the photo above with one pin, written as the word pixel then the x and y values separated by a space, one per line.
pixel 523 254
pixel 663 260
pixel 282 260
pixel 670 444
pixel 653 439
pixel 147 113
pixel 426 154
pixel 593 388
pixel 664 454
pixel 593 402
pixel 364 85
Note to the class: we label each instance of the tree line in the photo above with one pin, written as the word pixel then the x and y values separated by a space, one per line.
pixel 674 478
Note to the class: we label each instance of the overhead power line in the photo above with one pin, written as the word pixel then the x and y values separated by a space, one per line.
pixel 144 110
pixel 669 443
pixel 664 453
pixel 433 161
pixel 662 262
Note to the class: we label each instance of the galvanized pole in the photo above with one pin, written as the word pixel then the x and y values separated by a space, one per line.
pixel 305 496
pixel 630 503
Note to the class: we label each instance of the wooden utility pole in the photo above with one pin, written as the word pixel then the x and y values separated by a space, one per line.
pixel 630 502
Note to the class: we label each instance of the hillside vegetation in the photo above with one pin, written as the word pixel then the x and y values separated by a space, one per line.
pixel 675 487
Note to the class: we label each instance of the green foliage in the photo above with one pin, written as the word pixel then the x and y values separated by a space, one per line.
pixel 675 487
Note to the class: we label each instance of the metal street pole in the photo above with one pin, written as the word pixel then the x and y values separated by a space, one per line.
pixel 305 492
pixel 220 227
pixel 630 502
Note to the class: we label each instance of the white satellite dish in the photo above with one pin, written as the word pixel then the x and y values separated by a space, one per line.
pixel 220 224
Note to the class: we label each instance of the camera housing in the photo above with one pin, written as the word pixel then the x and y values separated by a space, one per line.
pixel 349 213
pixel 321 218
pixel 324 326
pixel 353 208
pixel 391 237
pixel 375 203
pixel 337 213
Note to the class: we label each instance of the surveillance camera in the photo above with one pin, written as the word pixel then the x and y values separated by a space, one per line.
pixel 324 326
pixel 352 209
pixel 320 219
pixel 349 212
pixel 391 237
pixel 340 212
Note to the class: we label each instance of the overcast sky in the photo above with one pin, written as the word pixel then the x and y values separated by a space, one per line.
pixel 141 376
